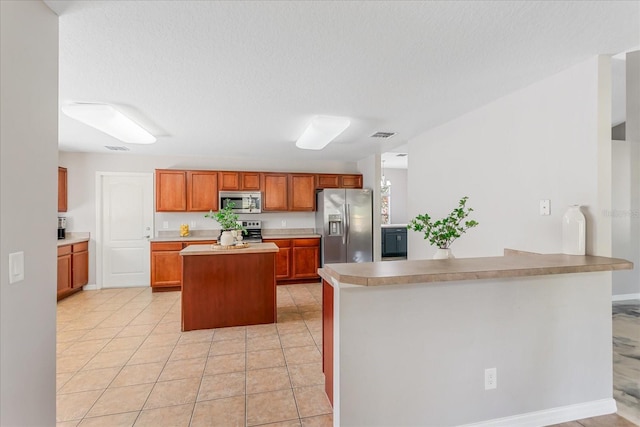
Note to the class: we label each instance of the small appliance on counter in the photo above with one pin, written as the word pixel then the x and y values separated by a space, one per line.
pixel 62 226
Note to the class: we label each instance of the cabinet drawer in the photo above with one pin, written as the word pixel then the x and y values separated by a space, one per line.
pixel 281 243
pixel 80 247
pixel 64 250
pixel 306 242
pixel 166 246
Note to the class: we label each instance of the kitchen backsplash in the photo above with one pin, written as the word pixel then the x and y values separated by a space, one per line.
pixel 197 221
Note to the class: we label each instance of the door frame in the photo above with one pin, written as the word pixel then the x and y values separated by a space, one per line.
pixel 99 205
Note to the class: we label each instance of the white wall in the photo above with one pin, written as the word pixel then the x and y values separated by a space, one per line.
pixel 546 141
pixel 82 168
pixel 414 355
pixel 625 212
pixel 28 189
pixel 398 178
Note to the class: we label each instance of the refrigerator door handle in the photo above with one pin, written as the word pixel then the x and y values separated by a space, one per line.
pixel 348 220
pixel 344 224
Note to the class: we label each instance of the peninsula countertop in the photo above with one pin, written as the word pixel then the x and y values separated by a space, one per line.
pixel 254 248
pixel 515 264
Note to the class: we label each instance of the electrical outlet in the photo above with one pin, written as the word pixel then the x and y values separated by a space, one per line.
pixel 490 378
pixel 193 225
pixel 16 267
pixel 545 207
pixel 284 222
pixel 165 225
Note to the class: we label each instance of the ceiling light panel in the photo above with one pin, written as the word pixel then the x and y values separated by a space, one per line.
pixel 109 120
pixel 321 131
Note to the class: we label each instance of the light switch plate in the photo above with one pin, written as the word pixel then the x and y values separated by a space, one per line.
pixel 16 267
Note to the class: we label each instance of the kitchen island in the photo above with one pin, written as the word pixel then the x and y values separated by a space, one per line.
pixel 228 287
pixel 410 342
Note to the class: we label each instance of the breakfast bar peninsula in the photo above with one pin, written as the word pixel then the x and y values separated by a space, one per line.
pixel 517 340
pixel 228 287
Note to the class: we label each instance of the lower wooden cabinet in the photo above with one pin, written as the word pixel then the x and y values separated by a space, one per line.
pixel 166 265
pixel 73 268
pixel 298 259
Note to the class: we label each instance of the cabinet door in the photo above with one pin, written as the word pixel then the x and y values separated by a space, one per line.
pixel 328 181
pixel 80 266
pixel 202 191
pixel 306 256
pixel 350 181
pixel 64 272
pixel 250 181
pixel 283 258
pixel 166 265
pixel 302 192
pixel 62 189
pixel 228 181
pixel 275 192
pixel 171 190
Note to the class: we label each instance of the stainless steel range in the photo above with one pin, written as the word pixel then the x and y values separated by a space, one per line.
pixel 254 231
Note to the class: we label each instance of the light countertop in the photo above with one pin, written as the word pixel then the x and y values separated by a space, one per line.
pixel 515 264
pixel 291 236
pixel 74 237
pixel 253 248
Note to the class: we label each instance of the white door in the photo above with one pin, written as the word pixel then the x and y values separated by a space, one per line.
pixel 127 222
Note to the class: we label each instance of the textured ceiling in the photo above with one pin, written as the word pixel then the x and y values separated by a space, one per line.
pixel 242 78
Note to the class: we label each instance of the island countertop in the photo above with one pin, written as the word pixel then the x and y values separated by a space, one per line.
pixel 253 248
pixel 516 264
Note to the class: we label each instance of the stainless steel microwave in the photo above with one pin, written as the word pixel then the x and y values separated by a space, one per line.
pixel 243 201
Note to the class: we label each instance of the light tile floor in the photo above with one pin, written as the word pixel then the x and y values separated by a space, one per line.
pixel 123 361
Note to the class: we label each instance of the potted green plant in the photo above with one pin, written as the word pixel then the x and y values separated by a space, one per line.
pixel 228 220
pixel 443 232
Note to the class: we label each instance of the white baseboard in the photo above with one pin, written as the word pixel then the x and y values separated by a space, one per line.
pixel 625 297
pixel 92 287
pixel 551 416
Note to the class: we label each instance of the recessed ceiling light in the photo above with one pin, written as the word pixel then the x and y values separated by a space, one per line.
pixel 321 131
pixel 109 120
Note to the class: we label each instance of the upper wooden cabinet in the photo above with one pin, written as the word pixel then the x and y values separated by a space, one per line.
pixel 302 192
pixel 197 191
pixel 182 191
pixel 238 181
pixel 350 181
pixel 202 191
pixel 275 186
pixel 326 180
pixel 62 189
pixel 171 190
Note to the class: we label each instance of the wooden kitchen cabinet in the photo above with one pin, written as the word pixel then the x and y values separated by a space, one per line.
pixel 283 258
pixel 302 192
pixel 62 189
pixel 166 264
pixel 202 191
pixel 276 188
pixel 73 268
pixel 171 190
pixel 64 270
pixel 305 259
pixel 80 265
pixel 350 181
pixel 328 181
pixel 238 181
pixel 298 260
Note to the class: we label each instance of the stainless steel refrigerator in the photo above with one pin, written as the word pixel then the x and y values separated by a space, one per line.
pixel 344 218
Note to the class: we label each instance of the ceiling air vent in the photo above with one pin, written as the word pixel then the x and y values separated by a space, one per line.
pixel 116 148
pixel 383 135
pixel 401 155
